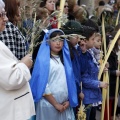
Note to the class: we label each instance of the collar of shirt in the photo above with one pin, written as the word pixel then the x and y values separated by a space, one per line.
pixel 76 46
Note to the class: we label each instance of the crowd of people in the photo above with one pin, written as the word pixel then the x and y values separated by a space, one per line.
pixel 62 70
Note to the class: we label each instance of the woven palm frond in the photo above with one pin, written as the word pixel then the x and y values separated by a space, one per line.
pixel 82 112
pixel 63 19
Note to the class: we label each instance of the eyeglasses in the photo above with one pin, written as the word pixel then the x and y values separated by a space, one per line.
pixel 3 14
pixel 65 6
pixel 82 38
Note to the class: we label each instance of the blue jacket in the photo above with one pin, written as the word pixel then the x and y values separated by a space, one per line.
pixel 76 69
pixel 89 78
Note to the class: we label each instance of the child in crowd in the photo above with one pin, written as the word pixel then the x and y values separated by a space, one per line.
pixel 53 84
pixel 96 49
pixel 73 29
pixel 76 67
pixel 89 73
pixel 96 54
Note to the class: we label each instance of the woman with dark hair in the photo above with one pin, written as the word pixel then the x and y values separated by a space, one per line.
pixel 50 6
pixel 13 10
pixel 11 36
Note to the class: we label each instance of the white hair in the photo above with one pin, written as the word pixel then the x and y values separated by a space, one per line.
pixel 2 5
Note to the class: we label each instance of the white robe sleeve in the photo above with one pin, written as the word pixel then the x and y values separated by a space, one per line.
pixel 13 76
pixel 47 90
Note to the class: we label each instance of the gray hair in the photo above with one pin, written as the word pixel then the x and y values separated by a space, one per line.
pixel 2 5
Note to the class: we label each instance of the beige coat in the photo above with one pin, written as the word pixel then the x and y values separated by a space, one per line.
pixel 16 102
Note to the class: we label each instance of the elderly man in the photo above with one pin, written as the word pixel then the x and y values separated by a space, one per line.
pixel 16 102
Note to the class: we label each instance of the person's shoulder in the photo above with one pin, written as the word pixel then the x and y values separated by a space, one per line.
pixel 11 26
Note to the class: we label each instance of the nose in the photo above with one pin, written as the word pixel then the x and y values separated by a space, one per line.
pixel 5 18
pixel 58 42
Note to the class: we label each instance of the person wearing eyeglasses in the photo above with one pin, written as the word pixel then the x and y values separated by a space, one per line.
pixel 16 102
pixel 65 7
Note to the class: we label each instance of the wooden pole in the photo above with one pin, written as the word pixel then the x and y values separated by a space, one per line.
pixel 117 88
pixel 108 53
pixel 104 92
pixel 62 3
pixel 105 75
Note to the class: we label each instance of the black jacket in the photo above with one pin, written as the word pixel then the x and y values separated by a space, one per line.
pixel 113 66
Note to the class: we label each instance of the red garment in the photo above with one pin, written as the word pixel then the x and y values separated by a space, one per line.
pixel 55 22
pixel 111 102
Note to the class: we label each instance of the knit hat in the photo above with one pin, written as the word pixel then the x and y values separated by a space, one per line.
pixel 72 27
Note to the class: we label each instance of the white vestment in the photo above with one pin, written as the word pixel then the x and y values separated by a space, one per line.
pixel 57 86
pixel 16 102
